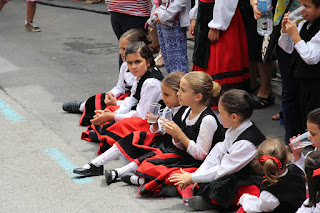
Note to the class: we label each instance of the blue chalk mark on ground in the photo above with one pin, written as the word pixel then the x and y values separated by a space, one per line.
pixel 66 164
pixel 9 113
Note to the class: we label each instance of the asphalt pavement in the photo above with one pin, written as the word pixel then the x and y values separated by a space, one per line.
pixel 74 57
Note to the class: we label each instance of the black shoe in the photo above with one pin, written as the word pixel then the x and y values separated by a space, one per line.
pixel 126 178
pixel 93 171
pixel 72 106
pixel 169 191
pixel 199 203
pixel 108 175
pixel 93 136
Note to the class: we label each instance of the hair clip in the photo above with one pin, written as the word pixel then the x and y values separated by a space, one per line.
pixel 276 160
pixel 316 172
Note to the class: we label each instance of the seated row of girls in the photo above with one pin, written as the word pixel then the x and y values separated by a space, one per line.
pixel 109 127
pixel 186 121
pixel 199 132
pixel 225 168
pixel 169 88
pixel 114 97
pixel 226 173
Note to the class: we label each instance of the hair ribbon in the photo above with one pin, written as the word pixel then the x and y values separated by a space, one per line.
pixel 316 172
pixel 276 160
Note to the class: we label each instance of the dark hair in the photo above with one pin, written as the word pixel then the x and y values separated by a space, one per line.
pixel 314 117
pixel 172 80
pixel 201 82
pixel 133 35
pixel 237 101
pixel 311 163
pixel 316 3
pixel 141 48
pixel 271 147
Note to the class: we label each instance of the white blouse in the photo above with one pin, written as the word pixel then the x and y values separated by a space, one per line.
pixel 125 80
pixel 226 157
pixel 150 93
pixel 223 12
pixel 200 149
pixel 308 51
pixel 304 209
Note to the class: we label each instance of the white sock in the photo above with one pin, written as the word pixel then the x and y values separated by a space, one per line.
pixel 81 108
pixel 87 166
pixel 131 167
pixel 111 154
pixel 124 159
pixel 134 179
pixel 113 174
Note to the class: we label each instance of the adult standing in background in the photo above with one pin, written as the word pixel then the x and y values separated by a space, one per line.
pixel 128 14
pixel 31 10
pixel 250 15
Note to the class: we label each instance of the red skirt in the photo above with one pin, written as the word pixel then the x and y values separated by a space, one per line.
pixel 228 60
pixel 111 132
pixel 137 146
pixel 157 175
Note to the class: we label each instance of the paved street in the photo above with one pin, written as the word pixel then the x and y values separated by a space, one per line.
pixel 74 57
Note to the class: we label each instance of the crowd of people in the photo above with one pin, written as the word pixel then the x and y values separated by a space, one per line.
pixel 209 153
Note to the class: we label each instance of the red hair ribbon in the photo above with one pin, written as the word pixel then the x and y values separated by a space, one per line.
pixel 276 160
pixel 316 172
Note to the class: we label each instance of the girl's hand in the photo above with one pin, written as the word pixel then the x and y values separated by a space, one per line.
pixel 163 122
pixel 182 179
pixel 107 110
pixel 256 11
pixel 214 35
pixel 146 25
pixel 191 28
pixel 98 112
pixel 295 152
pixel 284 22
pixel 172 129
pixel 101 118
pixel 292 29
pixel 157 20
pixel 110 100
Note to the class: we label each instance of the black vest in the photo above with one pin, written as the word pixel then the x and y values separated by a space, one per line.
pixel 290 190
pixel 192 133
pixel 300 68
pixel 224 189
pixel 155 73
pixel 255 136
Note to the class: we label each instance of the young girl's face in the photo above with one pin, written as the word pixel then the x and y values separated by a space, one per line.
pixel 311 13
pixel 123 43
pixel 315 133
pixel 225 117
pixel 137 65
pixel 169 96
pixel 185 94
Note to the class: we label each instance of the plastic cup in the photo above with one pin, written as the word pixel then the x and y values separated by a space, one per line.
pixel 166 114
pixel 296 14
pixel 301 141
pixel 154 109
